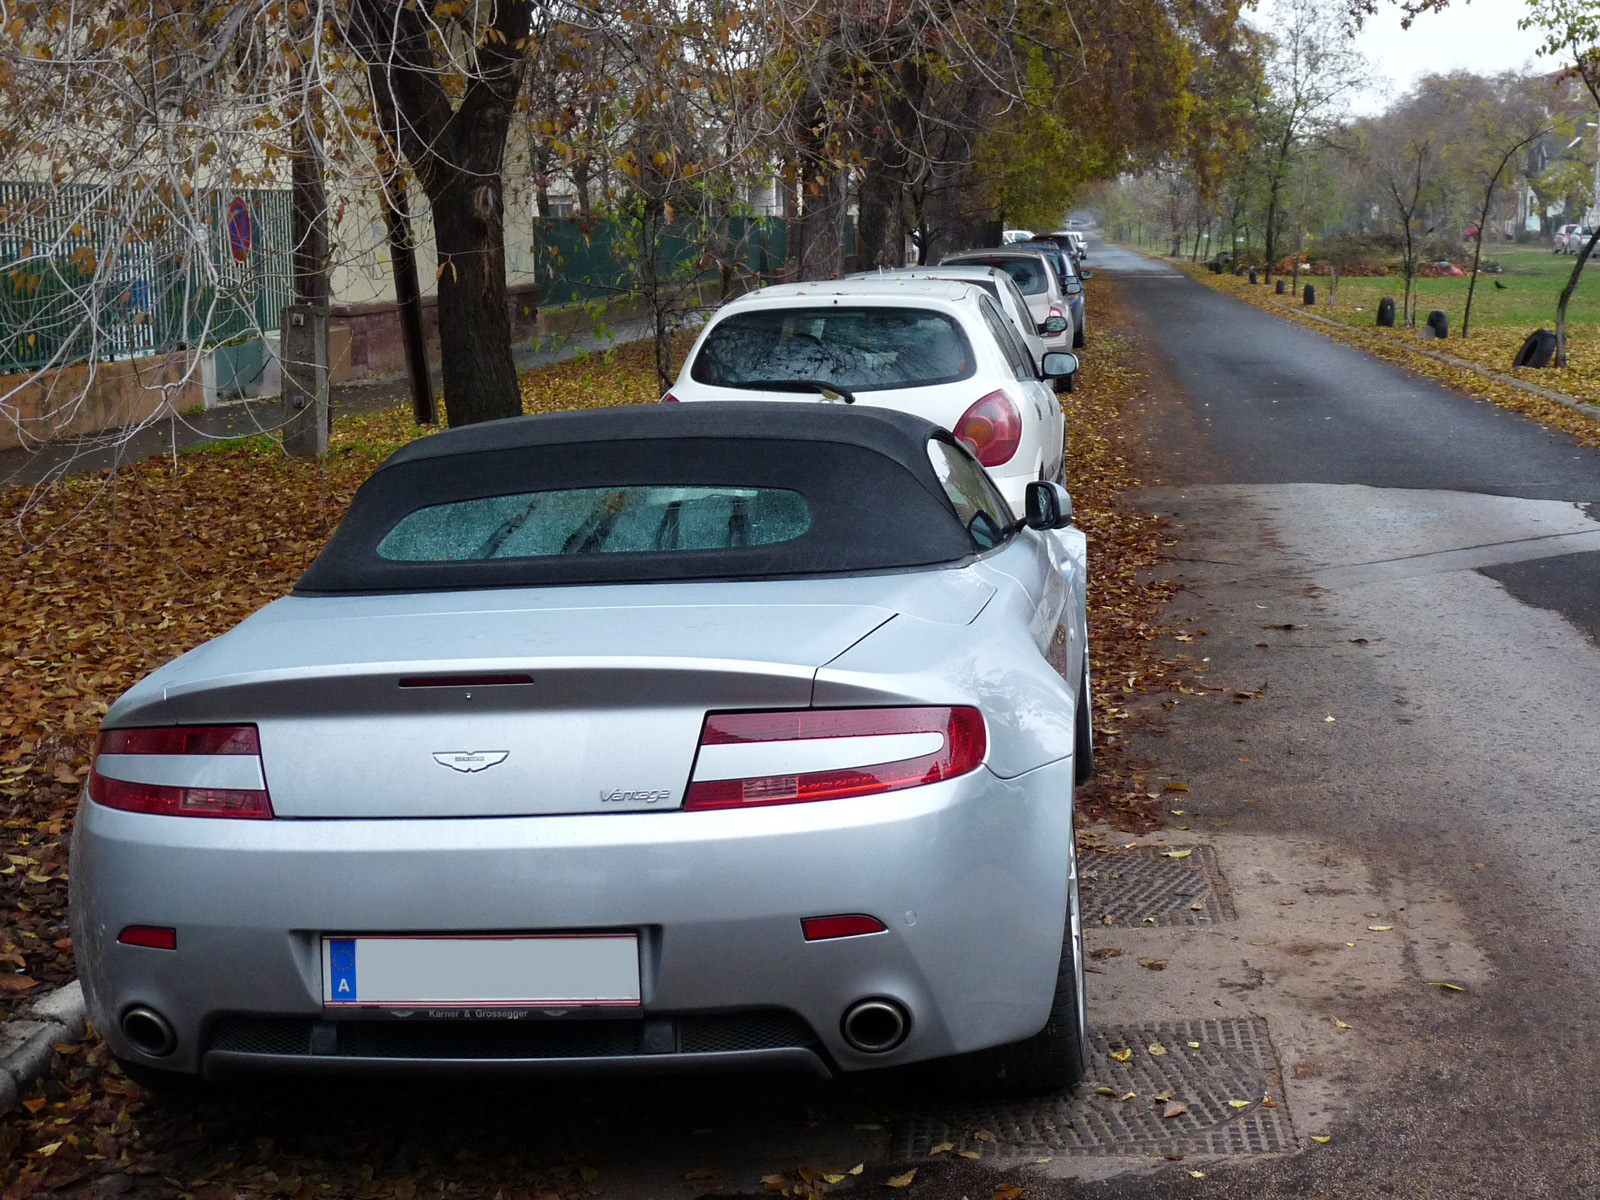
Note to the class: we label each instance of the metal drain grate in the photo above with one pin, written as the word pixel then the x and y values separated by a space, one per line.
pixel 1232 1062
pixel 1143 887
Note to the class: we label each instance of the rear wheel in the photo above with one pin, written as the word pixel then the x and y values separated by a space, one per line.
pixel 1077 338
pixel 1057 1056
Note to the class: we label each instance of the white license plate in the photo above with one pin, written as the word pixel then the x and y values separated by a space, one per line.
pixel 492 972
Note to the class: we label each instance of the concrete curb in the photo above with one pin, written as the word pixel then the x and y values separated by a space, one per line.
pixel 25 1042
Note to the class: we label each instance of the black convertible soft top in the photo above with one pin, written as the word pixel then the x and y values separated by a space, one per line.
pixel 874 501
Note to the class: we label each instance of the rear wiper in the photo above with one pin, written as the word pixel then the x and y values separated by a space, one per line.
pixel 830 391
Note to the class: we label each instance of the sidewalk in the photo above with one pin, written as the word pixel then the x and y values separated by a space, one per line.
pixel 114 448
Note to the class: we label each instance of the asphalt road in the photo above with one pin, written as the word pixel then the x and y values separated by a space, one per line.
pixel 1398 589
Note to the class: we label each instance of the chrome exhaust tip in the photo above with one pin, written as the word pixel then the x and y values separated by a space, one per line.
pixel 875 1026
pixel 149 1031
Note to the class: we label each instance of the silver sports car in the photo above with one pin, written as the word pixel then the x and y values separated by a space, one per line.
pixel 718 736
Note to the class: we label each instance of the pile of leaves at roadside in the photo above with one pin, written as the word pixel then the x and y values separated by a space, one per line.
pixel 108 576
pixel 1491 348
pixel 111 576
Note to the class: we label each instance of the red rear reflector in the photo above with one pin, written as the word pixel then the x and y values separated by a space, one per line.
pixel 818 929
pixel 796 735
pixel 157 937
pixel 669 398
pixel 411 681
pixel 992 429
pixel 179 800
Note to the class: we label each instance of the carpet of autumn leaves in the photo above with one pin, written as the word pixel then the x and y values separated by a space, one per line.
pixel 111 575
pixel 1490 347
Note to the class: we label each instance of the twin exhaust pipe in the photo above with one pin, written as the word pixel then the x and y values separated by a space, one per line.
pixel 875 1026
pixel 149 1031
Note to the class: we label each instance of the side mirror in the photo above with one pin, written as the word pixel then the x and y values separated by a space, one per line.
pixel 1058 364
pixel 1049 506
pixel 1085 274
pixel 1054 325
pixel 1073 287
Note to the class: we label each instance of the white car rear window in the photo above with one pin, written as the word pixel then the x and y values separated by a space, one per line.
pixel 856 348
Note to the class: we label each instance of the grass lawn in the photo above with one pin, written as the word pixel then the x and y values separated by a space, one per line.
pixel 1532 280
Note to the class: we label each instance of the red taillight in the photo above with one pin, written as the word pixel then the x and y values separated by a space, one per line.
pixel 669 398
pixel 155 937
pixel 221 785
pixel 1056 312
pixel 992 429
pixel 820 929
pixel 799 755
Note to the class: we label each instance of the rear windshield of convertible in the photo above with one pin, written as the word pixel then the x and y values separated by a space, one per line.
pixel 636 511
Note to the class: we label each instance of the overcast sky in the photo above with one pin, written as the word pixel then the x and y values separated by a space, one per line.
pixel 1481 37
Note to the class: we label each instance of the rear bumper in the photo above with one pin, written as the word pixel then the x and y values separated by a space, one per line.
pixel 969 875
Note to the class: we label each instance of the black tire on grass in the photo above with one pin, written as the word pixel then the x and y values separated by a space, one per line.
pixel 1537 350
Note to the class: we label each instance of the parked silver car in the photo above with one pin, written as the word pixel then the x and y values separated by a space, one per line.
pixel 657 738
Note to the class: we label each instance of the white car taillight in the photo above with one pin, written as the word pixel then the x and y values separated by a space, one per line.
pixel 669 398
pixel 182 771
pixel 794 756
pixel 992 429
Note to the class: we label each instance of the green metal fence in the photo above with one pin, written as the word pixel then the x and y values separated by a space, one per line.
pixel 580 259
pixel 90 272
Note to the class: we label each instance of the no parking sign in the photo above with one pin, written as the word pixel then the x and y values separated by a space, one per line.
pixel 239 228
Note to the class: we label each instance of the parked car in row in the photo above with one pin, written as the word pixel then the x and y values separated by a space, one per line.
pixel 1569 239
pixel 1041 274
pixel 647 739
pixel 1054 334
pixel 938 348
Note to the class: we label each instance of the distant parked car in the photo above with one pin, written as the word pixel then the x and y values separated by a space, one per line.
pixel 1035 277
pixel 1569 237
pixel 1054 334
pixel 1008 236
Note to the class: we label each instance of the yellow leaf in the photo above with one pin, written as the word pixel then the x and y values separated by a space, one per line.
pixel 1448 987
pixel 1197 1174
pixel 1321 1141
pixel 1194 1045
pixel 833 1179
pixel 857 1169
pixel 901 1181
pixel 47 1151
pixel 1338 1024
pixel 1327 719
pixel 968 1154
pixel 1177 853
pixel 1104 1091
pixel 1156 1049
pixel 1122 1055
pixel 1127 1095
pixel 1175 787
pixel 1380 928
pixel 1174 1108
pixel 942 1148
pixel 1238 1104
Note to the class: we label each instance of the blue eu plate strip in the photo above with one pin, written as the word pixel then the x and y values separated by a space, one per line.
pixel 342 968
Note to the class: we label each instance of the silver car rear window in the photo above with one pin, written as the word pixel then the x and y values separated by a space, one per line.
pixel 856 348
pixel 1028 273
pixel 615 520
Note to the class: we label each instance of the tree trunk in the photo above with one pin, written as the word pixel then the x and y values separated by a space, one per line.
pixel 408 296
pixel 822 223
pixel 480 378
pixel 1566 295
pixel 880 228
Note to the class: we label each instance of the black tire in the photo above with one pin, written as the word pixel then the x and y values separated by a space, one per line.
pixel 1537 350
pixel 1065 384
pixel 1056 1057
pixel 1439 322
pixel 1077 337
pixel 1386 312
pixel 1083 732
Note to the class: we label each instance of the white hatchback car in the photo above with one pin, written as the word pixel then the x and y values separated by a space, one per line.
pixel 936 348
